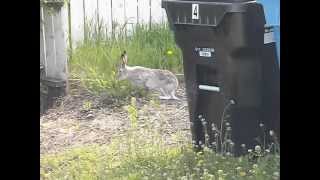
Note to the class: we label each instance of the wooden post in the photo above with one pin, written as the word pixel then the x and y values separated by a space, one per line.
pixel 98 24
pixel 138 12
pixel 54 43
pixel 97 10
pixel 112 28
pixel 43 54
pixel 60 46
pixel 49 43
pixel 54 51
pixel 84 21
pixel 125 19
pixel 69 30
pixel 70 45
pixel 150 18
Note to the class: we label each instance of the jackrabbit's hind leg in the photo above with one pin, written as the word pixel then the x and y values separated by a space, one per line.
pixel 173 96
pixel 165 95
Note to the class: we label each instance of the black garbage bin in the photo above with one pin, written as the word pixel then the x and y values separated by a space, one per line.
pixel 222 42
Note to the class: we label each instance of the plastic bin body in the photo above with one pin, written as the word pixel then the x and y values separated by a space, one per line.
pixel 222 54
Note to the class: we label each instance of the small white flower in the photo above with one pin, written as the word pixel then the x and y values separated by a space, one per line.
pixel 249 150
pixel 271 132
pixel 255 166
pixel 277 174
pixel 267 151
pixel 227 124
pixel 200 116
pixel 232 101
pixel 257 149
pixel 261 124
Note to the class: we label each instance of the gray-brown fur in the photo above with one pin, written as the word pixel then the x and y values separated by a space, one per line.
pixel 159 80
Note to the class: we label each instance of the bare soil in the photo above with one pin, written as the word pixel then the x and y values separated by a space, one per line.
pixel 83 119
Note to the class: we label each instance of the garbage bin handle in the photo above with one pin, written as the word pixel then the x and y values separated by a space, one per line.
pixel 209 88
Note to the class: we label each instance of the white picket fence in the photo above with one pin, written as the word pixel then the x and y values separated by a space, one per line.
pixel 56 25
pixel 120 11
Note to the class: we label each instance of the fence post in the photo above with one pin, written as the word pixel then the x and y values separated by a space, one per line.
pixel 69 30
pixel 43 41
pixel 138 12
pixel 125 19
pixel 97 11
pixel 112 25
pixel 150 18
pixel 98 35
pixel 70 45
pixel 84 21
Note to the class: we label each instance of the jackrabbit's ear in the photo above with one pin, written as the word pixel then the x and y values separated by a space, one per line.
pixel 124 58
pixel 123 61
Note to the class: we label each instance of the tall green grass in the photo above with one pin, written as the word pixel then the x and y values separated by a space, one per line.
pixel 95 61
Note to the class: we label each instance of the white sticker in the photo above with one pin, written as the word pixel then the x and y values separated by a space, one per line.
pixel 195 11
pixel 204 51
pixel 204 54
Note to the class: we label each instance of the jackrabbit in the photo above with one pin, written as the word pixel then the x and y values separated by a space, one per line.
pixel 159 80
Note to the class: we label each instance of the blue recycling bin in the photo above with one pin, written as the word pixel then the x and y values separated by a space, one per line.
pixel 272 15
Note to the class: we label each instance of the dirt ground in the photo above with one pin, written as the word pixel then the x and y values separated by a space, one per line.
pixel 72 123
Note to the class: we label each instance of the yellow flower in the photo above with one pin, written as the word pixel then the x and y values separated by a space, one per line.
pixel 169 52
pixel 242 173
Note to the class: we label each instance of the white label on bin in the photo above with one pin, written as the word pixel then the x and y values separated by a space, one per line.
pixel 204 52
pixel 195 11
pixel 269 38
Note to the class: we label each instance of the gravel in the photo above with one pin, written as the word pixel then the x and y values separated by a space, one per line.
pixel 82 119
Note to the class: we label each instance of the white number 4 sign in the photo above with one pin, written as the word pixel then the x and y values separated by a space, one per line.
pixel 195 11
